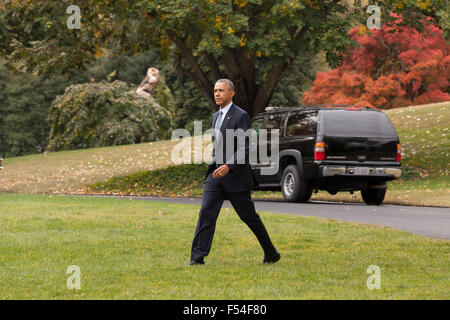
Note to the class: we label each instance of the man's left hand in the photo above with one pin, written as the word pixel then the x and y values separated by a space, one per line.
pixel 221 171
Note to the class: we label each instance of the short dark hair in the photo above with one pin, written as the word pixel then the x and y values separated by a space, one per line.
pixel 229 83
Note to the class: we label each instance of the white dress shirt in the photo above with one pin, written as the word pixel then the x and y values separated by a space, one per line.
pixel 224 111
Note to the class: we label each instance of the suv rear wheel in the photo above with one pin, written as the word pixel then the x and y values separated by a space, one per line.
pixel 373 196
pixel 293 186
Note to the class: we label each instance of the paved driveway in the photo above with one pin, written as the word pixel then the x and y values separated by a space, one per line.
pixel 433 222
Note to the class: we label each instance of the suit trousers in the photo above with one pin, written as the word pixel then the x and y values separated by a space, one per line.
pixel 213 198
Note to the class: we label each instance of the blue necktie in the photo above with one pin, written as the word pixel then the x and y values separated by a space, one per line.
pixel 219 120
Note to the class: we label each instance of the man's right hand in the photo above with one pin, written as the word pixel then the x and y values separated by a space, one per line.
pixel 221 171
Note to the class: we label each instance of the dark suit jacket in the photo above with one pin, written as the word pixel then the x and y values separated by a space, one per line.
pixel 240 177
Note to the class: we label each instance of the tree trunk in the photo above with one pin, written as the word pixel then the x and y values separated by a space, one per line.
pixel 266 90
pixel 199 77
pixel 240 68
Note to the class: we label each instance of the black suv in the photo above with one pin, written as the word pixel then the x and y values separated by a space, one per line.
pixel 337 148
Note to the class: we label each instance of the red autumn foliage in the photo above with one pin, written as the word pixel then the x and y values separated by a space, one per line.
pixel 394 66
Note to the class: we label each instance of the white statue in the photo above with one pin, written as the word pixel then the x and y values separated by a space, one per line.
pixel 148 84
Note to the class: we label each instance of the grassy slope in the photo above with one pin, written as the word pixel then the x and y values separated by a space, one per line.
pixel 424 136
pixel 67 171
pixel 423 132
pixel 129 249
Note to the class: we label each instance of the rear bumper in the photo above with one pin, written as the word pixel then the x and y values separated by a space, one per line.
pixel 388 173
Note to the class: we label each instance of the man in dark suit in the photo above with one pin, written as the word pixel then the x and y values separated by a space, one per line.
pixel 229 177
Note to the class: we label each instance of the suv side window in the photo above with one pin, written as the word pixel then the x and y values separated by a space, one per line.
pixel 273 121
pixel 304 123
pixel 257 124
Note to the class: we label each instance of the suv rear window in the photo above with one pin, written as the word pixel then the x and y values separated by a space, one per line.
pixel 301 124
pixel 343 123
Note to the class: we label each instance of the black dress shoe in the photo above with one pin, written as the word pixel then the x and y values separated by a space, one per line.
pixel 272 258
pixel 196 262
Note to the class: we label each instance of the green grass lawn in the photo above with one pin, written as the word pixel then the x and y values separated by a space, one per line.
pixel 130 249
pixel 424 136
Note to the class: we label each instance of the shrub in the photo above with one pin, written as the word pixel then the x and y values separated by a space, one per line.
pixel 105 114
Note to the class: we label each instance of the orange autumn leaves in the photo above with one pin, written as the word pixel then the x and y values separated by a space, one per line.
pixel 394 66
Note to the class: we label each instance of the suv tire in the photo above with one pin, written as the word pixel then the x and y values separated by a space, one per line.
pixel 293 186
pixel 373 196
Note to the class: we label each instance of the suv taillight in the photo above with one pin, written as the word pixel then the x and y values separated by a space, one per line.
pixel 399 153
pixel 319 151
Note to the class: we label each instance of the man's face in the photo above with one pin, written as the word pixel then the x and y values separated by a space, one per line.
pixel 222 94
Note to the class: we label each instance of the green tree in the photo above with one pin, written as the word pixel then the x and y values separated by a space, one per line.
pixel 253 42
pixel 35 34
pixel 23 111
pixel 256 41
pixel 3 78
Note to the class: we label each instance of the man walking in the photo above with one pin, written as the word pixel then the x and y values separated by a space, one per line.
pixel 228 178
